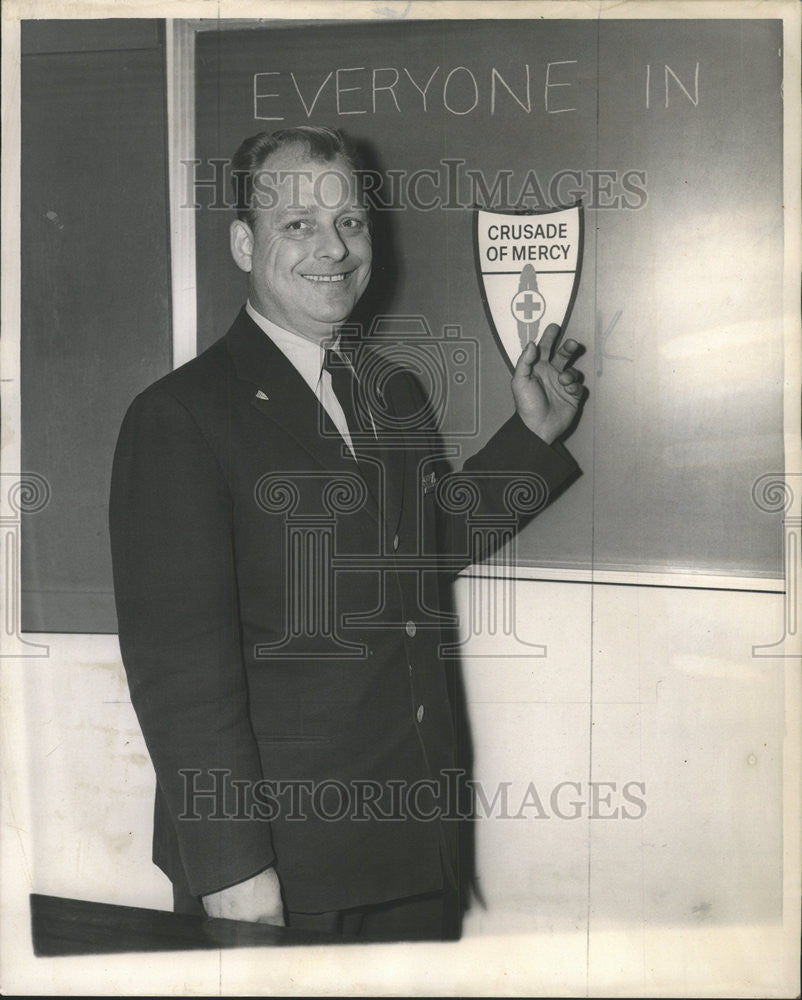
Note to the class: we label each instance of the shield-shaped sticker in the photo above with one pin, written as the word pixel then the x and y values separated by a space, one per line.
pixel 528 266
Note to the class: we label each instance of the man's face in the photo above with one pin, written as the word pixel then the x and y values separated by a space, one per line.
pixel 309 252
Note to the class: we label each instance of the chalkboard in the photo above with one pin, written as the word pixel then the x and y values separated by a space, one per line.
pixel 95 292
pixel 670 132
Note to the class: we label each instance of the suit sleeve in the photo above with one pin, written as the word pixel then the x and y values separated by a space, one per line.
pixel 504 485
pixel 170 520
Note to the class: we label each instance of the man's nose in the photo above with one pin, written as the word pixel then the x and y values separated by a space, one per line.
pixel 331 244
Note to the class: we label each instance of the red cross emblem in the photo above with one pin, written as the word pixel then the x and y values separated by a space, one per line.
pixel 528 306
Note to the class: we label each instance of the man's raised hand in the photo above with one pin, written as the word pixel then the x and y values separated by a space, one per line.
pixel 547 390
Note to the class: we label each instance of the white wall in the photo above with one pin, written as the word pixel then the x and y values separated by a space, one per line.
pixel 641 684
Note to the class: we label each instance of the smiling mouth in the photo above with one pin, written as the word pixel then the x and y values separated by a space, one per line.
pixel 327 278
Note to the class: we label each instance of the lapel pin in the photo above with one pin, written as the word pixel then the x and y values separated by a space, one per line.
pixel 428 481
pixel 261 395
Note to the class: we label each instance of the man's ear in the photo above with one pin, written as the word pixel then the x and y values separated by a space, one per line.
pixel 241 243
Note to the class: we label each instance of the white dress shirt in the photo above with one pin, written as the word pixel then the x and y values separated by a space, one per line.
pixel 306 357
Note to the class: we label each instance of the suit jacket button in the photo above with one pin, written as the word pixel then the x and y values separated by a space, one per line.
pixel 411 629
pixel 419 715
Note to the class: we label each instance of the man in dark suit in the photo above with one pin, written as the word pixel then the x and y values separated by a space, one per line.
pixel 279 520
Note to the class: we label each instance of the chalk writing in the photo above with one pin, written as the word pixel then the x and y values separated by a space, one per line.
pixel 602 335
pixel 669 74
pixel 459 90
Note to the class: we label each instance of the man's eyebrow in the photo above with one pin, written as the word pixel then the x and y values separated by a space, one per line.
pixel 294 209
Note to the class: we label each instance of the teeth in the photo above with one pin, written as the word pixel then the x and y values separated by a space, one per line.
pixel 325 277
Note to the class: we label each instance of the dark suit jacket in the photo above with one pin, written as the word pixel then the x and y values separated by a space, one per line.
pixel 279 622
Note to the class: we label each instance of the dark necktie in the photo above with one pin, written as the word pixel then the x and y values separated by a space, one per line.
pixel 346 388
pixel 374 460
pixel 345 384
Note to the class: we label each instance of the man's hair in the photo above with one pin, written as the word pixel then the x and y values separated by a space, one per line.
pixel 316 141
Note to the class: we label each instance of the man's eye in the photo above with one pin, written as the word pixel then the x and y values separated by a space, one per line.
pixel 353 224
pixel 296 226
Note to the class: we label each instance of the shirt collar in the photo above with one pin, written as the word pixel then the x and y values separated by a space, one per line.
pixel 306 356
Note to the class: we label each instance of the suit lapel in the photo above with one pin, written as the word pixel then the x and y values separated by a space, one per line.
pixel 281 395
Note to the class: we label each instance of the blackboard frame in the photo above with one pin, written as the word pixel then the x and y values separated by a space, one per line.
pixel 663 568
